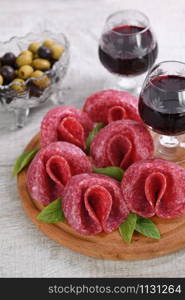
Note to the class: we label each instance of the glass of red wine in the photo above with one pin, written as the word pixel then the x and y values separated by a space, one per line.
pixel 162 108
pixel 127 47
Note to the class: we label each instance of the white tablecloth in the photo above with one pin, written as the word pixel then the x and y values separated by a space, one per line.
pixel 25 251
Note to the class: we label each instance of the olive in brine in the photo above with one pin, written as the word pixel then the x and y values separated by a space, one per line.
pixel 26 52
pixel 41 64
pixel 33 47
pixel 18 85
pixel 48 43
pixel 8 59
pixel 23 60
pixel 8 74
pixel 57 51
pixel 1 80
pixel 41 80
pixel 25 71
pixel 35 91
pixel 44 52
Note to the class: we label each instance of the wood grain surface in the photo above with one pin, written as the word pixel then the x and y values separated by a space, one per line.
pixel 105 246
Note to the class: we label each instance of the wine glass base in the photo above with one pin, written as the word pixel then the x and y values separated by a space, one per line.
pixel 169 148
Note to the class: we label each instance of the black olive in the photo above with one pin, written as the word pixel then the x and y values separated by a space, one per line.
pixel 35 91
pixel 44 52
pixel 53 61
pixel 9 100
pixel 8 59
pixel 8 74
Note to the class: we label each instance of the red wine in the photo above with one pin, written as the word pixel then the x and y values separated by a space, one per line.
pixel 128 50
pixel 162 104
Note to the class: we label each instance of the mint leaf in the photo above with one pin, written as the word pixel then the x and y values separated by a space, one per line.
pixel 52 213
pixel 23 160
pixel 147 228
pixel 127 228
pixel 92 134
pixel 114 172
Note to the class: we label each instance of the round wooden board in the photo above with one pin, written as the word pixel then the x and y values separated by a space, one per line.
pixel 105 246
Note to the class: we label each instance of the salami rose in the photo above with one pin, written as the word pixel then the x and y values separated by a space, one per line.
pixel 155 187
pixel 52 168
pixel 111 105
pixel 93 203
pixel 65 124
pixel 121 143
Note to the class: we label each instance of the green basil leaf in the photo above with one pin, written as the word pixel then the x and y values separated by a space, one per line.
pixel 147 228
pixel 23 160
pixel 114 172
pixel 52 213
pixel 92 134
pixel 127 228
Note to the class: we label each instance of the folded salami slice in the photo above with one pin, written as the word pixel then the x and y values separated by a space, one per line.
pixel 65 124
pixel 93 203
pixel 52 168
pixel 111 105
pixel 155 187
pixel 121 143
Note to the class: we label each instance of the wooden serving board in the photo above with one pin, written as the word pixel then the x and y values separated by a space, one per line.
pixel 105 246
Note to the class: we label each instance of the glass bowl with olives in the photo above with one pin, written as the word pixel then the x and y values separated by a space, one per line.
pixel 32 69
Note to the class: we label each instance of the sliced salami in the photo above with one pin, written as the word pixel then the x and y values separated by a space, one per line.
pixel 93 203
pixel 155 187
pixel 65 124
pixel 111 105
pixel 121 143
pixel 52 168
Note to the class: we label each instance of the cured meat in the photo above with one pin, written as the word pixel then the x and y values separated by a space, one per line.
pixel 93 203
pixel 155 187
pixel 65 124
pixel 111 105
pixel 52 168
pixel 121 143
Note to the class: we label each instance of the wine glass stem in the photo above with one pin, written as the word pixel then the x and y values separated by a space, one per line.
pixel 131 84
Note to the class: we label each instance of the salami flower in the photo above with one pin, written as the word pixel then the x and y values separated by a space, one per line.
pixel 52 168
pixel 93 203
pixel 111 105
pixel 120 144
pixel 155 187
pixel 65 124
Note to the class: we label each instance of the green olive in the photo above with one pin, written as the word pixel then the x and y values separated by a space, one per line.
pixel 19 85
pixel 1 80
pixel 41 64
pixel 48 43
pixel 33 47
pixel 26 52
pixel 35 56
pixel 43 81
pixel 23 60
pixel 25 71
pixel 57 51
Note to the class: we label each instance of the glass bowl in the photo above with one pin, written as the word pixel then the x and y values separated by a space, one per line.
pixel 32 95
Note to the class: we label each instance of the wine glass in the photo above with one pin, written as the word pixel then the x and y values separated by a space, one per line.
pixel 162 108
pixel 127 47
